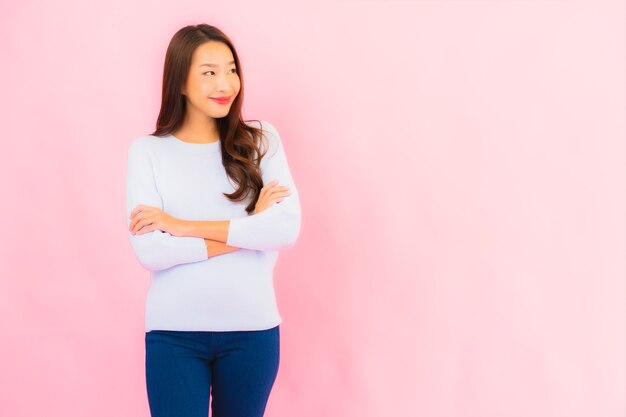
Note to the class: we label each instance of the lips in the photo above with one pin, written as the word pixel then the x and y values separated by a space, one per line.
pixel 220 100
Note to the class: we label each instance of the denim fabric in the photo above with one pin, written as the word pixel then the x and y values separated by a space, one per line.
pixel 235 370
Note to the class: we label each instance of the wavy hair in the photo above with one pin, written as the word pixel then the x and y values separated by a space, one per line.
pixel 241 154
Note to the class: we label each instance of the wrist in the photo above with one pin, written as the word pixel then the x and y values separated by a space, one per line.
pixel 181 227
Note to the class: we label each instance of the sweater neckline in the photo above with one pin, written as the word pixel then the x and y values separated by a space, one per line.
pixel 196 147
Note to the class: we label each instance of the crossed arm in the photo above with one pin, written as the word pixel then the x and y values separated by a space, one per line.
pixel 218 232
pixel 214 232
pixel 214 247
pixel 185 241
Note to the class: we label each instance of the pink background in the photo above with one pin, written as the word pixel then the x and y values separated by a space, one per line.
pixel 461 166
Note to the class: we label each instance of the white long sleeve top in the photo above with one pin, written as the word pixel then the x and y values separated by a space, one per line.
pixel 188 289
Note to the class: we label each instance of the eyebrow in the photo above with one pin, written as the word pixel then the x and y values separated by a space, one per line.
pixel 214 65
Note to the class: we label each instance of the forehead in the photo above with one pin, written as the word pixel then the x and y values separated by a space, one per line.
pixel 212 53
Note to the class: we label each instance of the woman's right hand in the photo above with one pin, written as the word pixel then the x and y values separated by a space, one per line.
pixel 270 194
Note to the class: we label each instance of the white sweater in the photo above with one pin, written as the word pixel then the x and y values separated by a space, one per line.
pixel 190 290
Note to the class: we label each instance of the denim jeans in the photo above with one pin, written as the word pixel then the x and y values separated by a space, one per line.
pixel 237 369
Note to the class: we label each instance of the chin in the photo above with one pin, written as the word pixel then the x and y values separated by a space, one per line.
pixel 221 110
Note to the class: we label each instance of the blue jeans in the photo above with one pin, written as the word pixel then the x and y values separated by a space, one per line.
pixel 238 367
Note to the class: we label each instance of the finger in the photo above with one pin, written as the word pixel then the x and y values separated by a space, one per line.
pixel 277 191
pixel 264 189
pixel 145 227
pixel 141 216
pixel 280 194
pixel 275 199
pixel 141 209
pixel 279 187
pixel 268 185
pixel 136 226
pixel 138 209
pixel 134 221
pixel 142 220
pixel 144 230
pixel 264 192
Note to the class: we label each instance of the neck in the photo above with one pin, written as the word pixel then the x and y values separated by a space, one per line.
pixel 197 128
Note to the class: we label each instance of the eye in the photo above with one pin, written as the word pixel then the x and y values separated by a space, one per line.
pixel 233 69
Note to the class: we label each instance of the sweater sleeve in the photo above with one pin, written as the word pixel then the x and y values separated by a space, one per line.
pixel 155 250
pixel 278 226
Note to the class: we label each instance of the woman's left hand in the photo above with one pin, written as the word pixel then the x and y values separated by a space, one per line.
pixel 146 219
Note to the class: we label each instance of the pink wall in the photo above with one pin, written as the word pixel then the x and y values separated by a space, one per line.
pixel 461 170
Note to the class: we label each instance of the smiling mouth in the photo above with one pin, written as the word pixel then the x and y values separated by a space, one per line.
pixel 220 99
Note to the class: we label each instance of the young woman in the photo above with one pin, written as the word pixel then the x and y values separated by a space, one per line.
pixel 210 201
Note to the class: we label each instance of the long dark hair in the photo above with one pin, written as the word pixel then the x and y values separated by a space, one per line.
pixel 241 154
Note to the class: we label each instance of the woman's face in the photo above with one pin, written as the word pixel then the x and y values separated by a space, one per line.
pixel 212 75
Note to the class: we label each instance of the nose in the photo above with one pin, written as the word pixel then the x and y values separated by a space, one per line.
pixel 223 84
